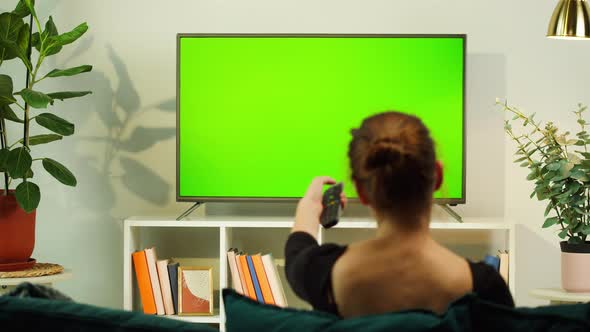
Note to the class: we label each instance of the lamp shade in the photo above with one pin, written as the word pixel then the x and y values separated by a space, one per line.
pixel 570 20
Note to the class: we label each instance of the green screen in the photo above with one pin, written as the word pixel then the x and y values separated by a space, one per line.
pixel 260 116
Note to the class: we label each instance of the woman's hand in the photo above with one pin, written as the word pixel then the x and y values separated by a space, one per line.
pixel 309 208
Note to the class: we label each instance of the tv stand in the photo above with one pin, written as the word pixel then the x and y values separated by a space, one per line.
pixel 450 211
pixel 190 210
pixel 213 235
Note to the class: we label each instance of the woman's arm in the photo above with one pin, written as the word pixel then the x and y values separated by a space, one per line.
pixel 308 267
pixel 307 264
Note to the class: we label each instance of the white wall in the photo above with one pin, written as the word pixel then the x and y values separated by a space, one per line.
pixel 123 152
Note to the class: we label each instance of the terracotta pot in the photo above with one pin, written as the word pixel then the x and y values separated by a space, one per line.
pixel 17 231
pixel 575 267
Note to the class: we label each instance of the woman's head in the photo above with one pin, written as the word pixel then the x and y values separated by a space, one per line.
pixel 393 164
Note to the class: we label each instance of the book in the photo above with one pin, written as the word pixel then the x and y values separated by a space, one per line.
pixel 143 282
pixel 173 276
pixel 162 266
pixel 255 280
pixel 247 277
pixel 493 261
pixel 504 259
pixel 233 269
pixel 262 279
pixel 151 258
pixel 241 275
pixel 274 280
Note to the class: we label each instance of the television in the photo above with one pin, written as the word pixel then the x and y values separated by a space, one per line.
pixel 260 115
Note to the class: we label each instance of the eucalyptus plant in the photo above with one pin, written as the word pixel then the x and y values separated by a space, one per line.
pixel 559 164
pixel 18 38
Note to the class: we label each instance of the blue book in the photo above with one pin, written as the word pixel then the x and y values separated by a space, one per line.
pixel 493 261
pixel 173 275
pixel 255 279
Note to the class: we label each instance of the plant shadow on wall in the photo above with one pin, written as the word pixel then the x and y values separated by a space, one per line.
pixel 120 111
pixel 114 130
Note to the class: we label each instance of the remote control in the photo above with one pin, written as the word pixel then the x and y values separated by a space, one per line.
pixel 332 206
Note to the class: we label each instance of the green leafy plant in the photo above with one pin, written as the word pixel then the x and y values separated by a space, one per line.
pixel 17 41
pixel 559 165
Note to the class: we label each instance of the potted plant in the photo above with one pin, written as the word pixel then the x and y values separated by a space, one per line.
pixel 25 107
pixel 559 164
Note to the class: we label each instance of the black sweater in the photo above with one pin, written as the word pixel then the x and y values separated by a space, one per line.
pixel 309 270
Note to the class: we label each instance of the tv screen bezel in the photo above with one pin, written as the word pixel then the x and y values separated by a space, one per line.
pixel 179 36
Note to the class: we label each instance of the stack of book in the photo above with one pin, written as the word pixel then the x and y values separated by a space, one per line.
pixel 256 277
pixel 499 262
pixel 157 281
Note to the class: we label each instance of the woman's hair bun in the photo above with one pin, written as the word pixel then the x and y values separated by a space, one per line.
pixel 384 153
pixel 392 159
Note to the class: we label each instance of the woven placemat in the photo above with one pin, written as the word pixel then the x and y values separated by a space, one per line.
pixel 38 270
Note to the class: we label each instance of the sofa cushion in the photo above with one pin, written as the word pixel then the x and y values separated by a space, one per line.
pixel 468 313
pixel 34 314
pixel 563 318
pixel 244 314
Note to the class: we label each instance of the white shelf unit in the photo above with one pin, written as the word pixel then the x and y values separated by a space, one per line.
pixel 231 230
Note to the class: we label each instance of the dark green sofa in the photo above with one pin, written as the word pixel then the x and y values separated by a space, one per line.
pixel 36 314
pixel 466 314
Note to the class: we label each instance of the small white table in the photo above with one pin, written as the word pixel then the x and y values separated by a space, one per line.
pixel 8 284
pixel 559 296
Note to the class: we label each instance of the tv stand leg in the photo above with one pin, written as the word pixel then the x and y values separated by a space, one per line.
pixel 189 211
pixel 450 211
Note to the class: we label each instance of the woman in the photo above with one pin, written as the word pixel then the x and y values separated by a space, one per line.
pixel 395 173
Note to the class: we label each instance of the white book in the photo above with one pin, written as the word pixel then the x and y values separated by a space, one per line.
pixel 504 259
pixel 233 268
pixel 274 280
pixel 150 255
pixel 165 286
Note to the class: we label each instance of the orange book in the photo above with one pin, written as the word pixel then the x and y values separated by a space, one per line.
pixel 247 277
pixel 241 274
pixel 143 281
pixel 262 279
